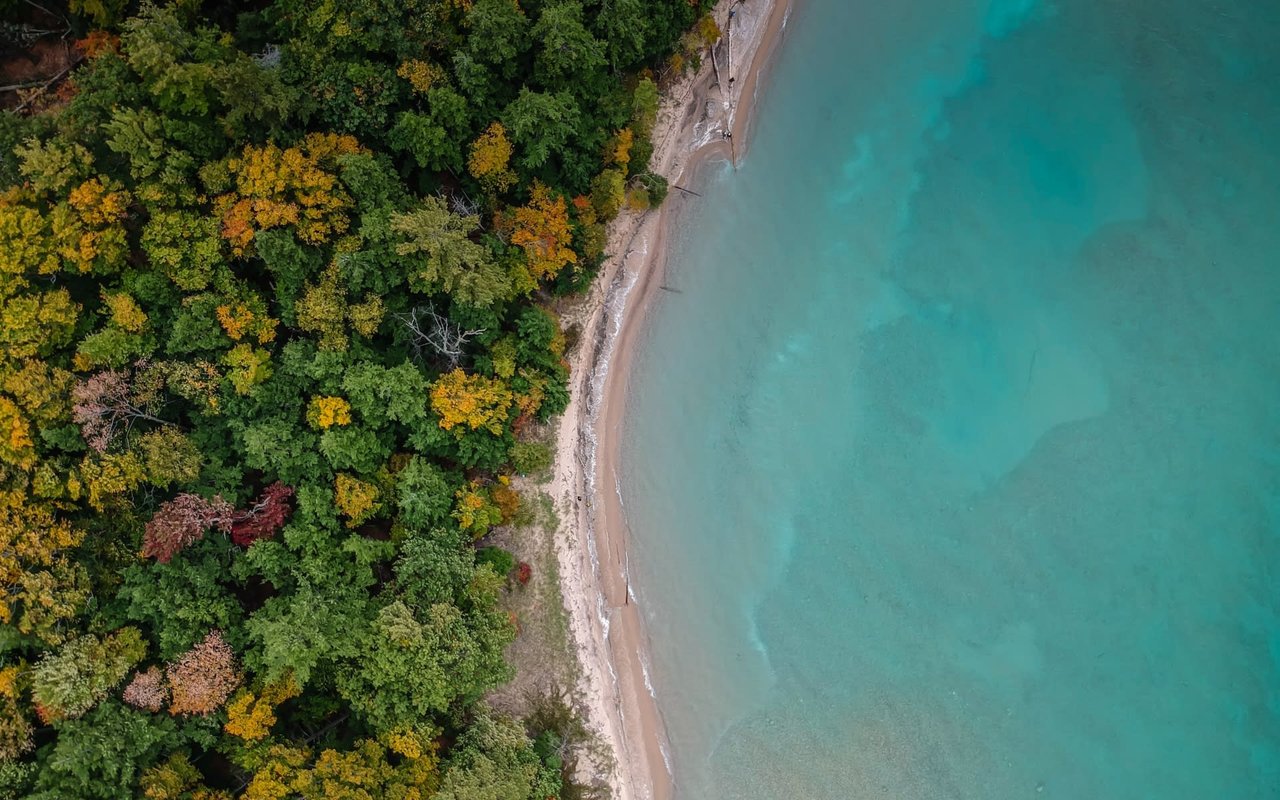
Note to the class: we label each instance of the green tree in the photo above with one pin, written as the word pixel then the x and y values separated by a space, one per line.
pixel 163 152
pixel 383 395
pixel 185 246
pixel 621 25
pixel 435 138
pixel 55 165
pixel 182 600
pixel 435 567
pixel 445 257
pixel 497 34
pixel 67 683
pixel 608 191
pixel 176 62
pixel 289 265
pixel 644 115
pixel 541 125
pixel 414 665
pixel 310 627
pixel 494 760
pixel 423 494
pixel 100 756
pixel 281 447
pixel 567 49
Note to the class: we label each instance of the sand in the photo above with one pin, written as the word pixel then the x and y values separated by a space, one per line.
pixel 606 625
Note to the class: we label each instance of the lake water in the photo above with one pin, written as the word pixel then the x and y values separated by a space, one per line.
pixel 954 469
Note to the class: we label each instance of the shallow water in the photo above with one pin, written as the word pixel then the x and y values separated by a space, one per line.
pixel 954 469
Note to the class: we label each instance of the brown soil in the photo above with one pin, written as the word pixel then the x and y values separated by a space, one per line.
pixel 24 73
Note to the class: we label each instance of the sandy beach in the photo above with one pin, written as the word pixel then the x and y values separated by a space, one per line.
pixel 606 625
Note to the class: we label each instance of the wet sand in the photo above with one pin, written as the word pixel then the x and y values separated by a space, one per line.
pixel 606 624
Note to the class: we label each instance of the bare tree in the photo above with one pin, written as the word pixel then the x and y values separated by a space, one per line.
pixel 434 334
pixel 269 58
pixel 461 203
pixel 106 405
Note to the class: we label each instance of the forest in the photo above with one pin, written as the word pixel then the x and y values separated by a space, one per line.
pixel 276 285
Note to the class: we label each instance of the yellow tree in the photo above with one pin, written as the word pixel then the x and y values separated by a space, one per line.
pixel 619 151
pixel 249 366
pixel 250 715
pixel 41 391
pixel 26 246
pixel 471 400
pixel 17 448
pixel 273 187
pixel 490 158
pixel 176 779
pixel 89 229
pixel 356 499
pixel 325 309
pixel 277 778
pixel 361 773
pixel 15 729
pixel 247 316
pixel 125 312
pixel 421 75
pixel 476 510
pixel 35 323
pixel 542 229
pixel 326 412
pixel 108 476
pixel 33 566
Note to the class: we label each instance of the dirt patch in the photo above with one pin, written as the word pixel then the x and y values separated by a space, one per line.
pixel 542 652
pixel 30 72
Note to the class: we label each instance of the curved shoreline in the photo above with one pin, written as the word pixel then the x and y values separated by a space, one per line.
pixel 607 626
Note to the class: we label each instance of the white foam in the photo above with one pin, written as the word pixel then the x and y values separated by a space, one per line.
pixel 644 670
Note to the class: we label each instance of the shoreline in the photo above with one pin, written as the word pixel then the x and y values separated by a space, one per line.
pixel 607 628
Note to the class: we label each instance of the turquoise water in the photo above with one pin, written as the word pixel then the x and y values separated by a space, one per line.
pixel 954 469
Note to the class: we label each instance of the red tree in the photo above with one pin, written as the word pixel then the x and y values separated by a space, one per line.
pixel 265 517
pixel 183 521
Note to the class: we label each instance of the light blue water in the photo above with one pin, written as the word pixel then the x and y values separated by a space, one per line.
pixel 954 470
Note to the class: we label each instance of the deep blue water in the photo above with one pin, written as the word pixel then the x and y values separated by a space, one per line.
pixel 954 470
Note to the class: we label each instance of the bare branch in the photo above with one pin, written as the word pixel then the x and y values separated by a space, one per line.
pixel 436 335
pixel 105 406
pixel 461 204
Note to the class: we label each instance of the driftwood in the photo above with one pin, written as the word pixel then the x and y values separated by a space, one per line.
pixel 13 87
pixel 49 83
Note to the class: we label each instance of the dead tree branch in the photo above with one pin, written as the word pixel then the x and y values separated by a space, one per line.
pixel 432 334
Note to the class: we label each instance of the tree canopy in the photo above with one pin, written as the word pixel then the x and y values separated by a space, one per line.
pixel 276 283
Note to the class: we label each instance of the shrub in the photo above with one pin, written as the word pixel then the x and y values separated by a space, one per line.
pixel 531 458
pixel 501 560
